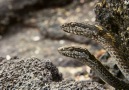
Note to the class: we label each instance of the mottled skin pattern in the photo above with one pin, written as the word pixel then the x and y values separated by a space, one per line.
pixel 84 56
pixel 111 31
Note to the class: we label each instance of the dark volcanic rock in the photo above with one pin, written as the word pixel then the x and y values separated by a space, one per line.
pixel 12 10
pixel 76 85
pixel 36 74
pixel 27 73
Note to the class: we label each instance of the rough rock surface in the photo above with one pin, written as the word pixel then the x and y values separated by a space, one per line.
pixel 36 74
pixel 74 85
pixel 25 74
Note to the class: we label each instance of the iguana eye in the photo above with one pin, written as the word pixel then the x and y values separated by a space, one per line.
pixel 112 33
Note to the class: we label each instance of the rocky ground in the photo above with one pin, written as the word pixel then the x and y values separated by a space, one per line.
pixel 39 35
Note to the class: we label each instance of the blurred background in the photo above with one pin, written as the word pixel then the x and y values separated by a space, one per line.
pixel 31 28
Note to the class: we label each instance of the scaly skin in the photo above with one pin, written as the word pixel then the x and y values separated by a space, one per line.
pixel 112 43
pixel 84 56
pixel 112 32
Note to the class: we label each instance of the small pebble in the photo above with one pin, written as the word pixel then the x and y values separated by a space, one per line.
pixel 36 38
pixel 61 42
pixel 8 57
